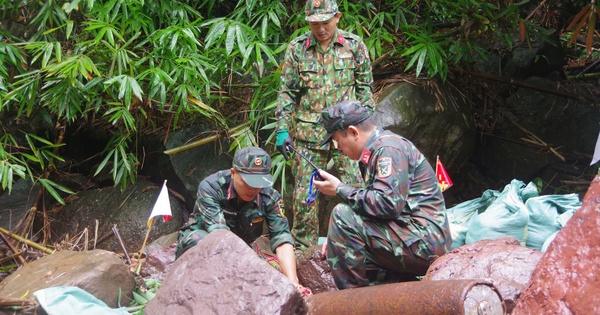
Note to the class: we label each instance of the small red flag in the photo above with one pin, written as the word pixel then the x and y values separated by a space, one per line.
pixel 442 176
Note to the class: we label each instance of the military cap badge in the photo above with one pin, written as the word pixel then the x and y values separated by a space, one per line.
pixel 258 161
pixel 317 3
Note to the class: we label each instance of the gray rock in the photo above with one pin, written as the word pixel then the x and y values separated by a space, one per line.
pixel 433 116
pixel 223 275
pixel 129 210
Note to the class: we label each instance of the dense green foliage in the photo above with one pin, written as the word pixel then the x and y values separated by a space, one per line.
pixel 133 65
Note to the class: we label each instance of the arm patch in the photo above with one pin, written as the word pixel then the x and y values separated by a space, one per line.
pixel 384 167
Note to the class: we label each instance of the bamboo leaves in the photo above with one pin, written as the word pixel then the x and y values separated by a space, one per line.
pixel 587 16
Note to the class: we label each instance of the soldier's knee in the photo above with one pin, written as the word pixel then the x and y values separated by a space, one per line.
pixel 187 240
pixel 341 211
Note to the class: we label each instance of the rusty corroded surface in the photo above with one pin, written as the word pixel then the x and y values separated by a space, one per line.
pixel 314 271
pixel 418 297
pixel 503 262
pixel 567 279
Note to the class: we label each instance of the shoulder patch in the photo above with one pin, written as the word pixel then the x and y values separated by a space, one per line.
pixel 279 205
pixel 384 167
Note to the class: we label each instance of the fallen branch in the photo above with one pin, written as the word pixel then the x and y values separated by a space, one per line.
pixel 26 241
pixel 10 302
pixel 116 232
pixel 535 140
pixel 12 248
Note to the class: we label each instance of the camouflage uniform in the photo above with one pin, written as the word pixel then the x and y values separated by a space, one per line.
pixel 218 207
pixel 397 222
pixel 311 80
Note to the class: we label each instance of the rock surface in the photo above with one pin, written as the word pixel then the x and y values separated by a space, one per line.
pixel 435 117
pixel 314 271
pixel 98 272
pixel 129 209
pixel 503 262
pixel 567 280
pixel 223 275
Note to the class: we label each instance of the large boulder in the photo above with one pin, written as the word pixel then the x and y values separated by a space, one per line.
pixel 435 117
pixel 223 275
pixel 128 209
pixel 503 262
pixel 98 272
pixel 536 132
pixel 566 280
pixel 192 165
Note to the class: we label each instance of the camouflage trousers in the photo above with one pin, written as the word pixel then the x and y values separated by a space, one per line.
pixel 357 245
pixel 187 239
pixel 306 215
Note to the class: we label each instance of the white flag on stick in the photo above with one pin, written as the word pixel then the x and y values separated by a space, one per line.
pixel 596 157
pixel 162 206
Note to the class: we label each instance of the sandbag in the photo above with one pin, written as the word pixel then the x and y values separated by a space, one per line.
pixel 547 215
pixel 507 216
pixel 461 215
pixel 69 300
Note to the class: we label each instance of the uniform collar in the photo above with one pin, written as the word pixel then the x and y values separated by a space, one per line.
pixel 365 157
pixel 337 38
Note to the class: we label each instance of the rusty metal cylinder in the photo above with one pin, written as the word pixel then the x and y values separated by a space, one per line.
pixel 417 297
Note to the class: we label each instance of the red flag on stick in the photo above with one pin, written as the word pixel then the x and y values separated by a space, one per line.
pixel 442 176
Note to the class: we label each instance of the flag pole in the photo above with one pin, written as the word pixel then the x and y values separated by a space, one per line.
pixel 150 221
pixel 139 266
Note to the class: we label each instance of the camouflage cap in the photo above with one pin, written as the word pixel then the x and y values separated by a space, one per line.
pixel 254 165
pixel 341 116
pixel 320 10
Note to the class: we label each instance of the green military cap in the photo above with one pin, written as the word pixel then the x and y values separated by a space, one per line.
pixel 320 10
pixel 254 165
pixel 341 116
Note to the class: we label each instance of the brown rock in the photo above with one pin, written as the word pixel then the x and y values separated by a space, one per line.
pixel 503 262
pixel 314 271
pixel 98 272
pixel 566 280
pixel 223 275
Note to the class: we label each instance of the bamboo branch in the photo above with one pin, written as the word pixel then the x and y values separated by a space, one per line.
pixel 9 302
pixel 12 248
pixel 26 241
pixel 200 142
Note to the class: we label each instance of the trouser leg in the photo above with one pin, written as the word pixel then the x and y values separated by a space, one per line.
pixel 187 239
pixel 306 215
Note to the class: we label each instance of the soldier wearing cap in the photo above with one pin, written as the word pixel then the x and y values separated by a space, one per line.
pixel 321 68
pixel 241 199
pixel 395 225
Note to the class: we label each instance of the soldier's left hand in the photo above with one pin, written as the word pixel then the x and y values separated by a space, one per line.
pixel 328 184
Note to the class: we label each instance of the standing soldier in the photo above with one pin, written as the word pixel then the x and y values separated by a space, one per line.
pixel 397 222
pixel 321 68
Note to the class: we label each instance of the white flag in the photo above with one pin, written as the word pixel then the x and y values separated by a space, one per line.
pixel 162 206
pixel 596 157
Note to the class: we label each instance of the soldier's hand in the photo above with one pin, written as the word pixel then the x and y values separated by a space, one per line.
pixel 327 184
pixel 324 249
pixel 283 140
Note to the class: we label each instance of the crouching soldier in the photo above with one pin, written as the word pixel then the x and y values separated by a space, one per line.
pixel 241 199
